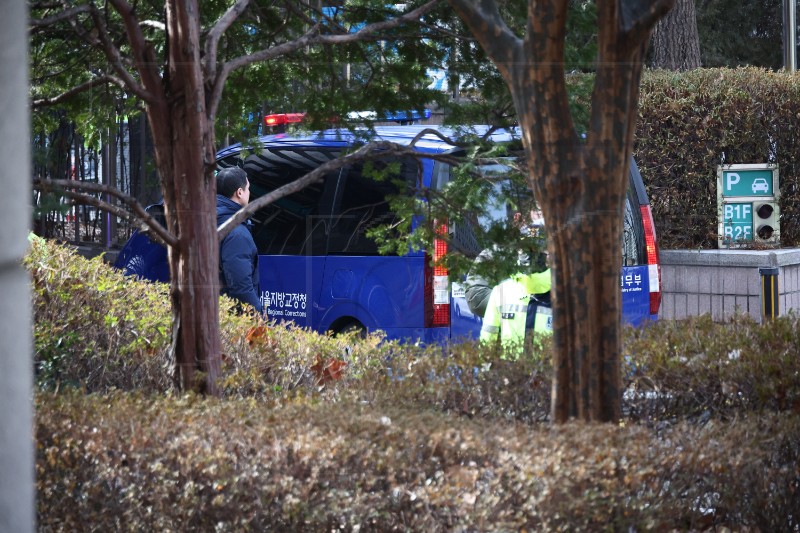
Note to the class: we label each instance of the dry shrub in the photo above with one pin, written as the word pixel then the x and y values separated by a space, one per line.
pixel 697 368
pixel 345 434
pixel 129 462
pixel 98 330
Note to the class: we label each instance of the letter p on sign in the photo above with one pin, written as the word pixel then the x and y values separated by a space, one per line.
pixel 731 179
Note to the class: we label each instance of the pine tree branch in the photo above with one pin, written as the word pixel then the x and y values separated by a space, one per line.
pixel 143 55
pixel 215 34
pixel 501 45
pixel 67 95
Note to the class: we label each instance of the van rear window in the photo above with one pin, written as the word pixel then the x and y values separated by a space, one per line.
pixel 329 217
pixel 362 203
pixel 294 224
pixel 633 244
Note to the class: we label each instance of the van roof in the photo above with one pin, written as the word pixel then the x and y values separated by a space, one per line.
pixel 401 135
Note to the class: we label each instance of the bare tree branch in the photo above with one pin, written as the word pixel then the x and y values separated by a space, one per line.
pixel 310 38
pixel 66 14
pixel 98 81
pixel 142 53
pixel 215 34
pixel 137 211
pixel 157 24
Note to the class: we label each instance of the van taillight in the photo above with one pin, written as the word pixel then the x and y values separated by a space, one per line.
pixel 654 267
pixel 437 293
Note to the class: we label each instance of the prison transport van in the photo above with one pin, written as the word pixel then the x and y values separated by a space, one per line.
pixel 319 269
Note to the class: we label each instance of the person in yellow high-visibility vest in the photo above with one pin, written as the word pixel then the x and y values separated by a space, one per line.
pixel 518 307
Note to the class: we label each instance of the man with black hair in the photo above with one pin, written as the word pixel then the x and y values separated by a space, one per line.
pixel 238 256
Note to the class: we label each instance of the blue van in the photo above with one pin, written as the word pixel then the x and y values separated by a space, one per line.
pixel 319 269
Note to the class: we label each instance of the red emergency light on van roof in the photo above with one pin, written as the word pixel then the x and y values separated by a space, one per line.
pixel 281 119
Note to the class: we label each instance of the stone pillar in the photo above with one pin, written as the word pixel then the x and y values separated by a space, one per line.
pixel 16 433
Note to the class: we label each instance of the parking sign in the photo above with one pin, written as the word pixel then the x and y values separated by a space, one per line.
pixel 747 205
pixel 757 182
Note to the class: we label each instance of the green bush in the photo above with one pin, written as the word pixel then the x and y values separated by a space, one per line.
pixel 97 330
pixel 690 122
pixel 93 327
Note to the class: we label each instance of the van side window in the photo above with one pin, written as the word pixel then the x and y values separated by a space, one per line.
pixel 362 203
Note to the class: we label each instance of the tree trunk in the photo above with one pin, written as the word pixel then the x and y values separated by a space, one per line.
pixel 186 169
pixel 676 43
pixel 579 186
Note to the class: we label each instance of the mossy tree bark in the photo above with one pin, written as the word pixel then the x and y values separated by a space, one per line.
pixel 579 184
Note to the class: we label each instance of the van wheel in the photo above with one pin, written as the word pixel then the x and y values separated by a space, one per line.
pixel 356 328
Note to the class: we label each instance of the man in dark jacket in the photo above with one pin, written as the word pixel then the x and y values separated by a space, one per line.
pixel 238 257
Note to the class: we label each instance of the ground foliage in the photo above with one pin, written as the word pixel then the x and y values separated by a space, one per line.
pixel 318 433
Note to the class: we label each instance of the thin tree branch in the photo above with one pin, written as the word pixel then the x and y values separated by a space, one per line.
pixel 100 80
pixel 215 34
pixel 310 38
pixel 137 211
pixel 142 53
pixel 483 18
pixel 66 14
pixel 101 40
pixel 157 24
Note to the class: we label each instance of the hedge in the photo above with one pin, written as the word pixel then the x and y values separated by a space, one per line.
pixel 99 331
pixel 125 462
pixel 690 122
pixel 343 434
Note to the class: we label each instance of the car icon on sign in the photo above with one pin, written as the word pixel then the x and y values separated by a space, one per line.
pixel 760 185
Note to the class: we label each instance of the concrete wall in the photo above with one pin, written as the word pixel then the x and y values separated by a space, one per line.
pixel 717 282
